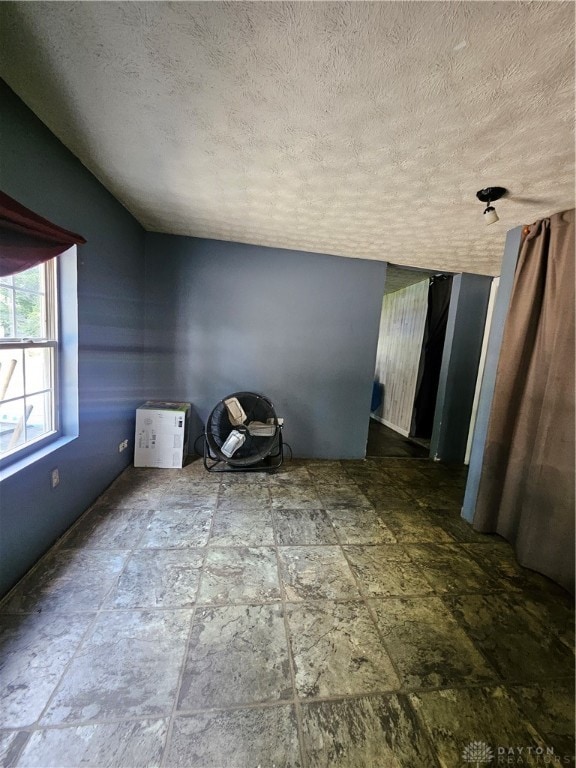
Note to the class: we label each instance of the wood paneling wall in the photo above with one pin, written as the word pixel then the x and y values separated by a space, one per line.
pixel 398 356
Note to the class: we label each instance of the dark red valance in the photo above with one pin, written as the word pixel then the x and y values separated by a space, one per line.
pixel 27 239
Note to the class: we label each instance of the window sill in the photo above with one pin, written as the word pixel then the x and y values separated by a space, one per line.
pixel 41 453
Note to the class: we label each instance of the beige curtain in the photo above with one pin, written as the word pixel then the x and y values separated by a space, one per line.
pixel 526 491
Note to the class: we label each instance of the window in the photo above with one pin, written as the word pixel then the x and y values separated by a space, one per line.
pixel 28 358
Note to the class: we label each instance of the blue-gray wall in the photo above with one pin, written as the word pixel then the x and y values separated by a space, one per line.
pixel 501 305
pixel 38 171
pixel 301 328
pixel 459 371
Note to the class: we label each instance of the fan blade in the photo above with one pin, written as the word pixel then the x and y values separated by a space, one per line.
pixel 260 429
pixel 236 413
pixel 234 441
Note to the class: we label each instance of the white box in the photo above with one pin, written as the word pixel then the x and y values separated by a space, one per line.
pixel 161 438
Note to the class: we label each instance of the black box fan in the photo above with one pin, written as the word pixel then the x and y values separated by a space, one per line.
pixel 243 433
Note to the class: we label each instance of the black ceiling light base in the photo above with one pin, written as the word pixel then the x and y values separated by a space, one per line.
pixel 490 194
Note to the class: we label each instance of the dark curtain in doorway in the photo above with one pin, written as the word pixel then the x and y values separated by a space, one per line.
pixel 526 491
pixel 439 293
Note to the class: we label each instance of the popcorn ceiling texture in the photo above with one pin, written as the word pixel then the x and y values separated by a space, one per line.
pixel 356 129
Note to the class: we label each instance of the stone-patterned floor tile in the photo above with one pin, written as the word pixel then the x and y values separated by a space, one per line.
pixel 107 527
pixel 135 493
pixel 35 651
pixel 389 497
pixel 189 498
pixel 243 738
pixel 369 732
pixel 475 721
pixel 242 528
pixel 11 745
pixel 460 530
pixel 236 655
pixel 87 679
pixel 252 477
pixel 196 482
pixel 500 560
pixel 442 498
pixel 549 706
pixel 239 495
pixel 291 473
pixel 159 578
pixel 316 573
pixel 516 641
pixel 346 496
pixel 396 506
pixel 294 497
pixel 305 527
pixel 67 580
pixel 128 744
pixel 449 569
pixel 426 644
pixel 337 651
pixel 413 527
pixel 360 526
pixel 386 571
pixel 338 480
pixel 242 575
pixel 128 666
pixel 194 470
pixel 555 608
pixel 325 469
pixel 177 528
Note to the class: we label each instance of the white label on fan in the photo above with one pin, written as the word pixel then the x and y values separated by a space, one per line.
pixel 235 411
pixel 234 440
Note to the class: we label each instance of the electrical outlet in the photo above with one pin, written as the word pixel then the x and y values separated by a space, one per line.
pixel 55 476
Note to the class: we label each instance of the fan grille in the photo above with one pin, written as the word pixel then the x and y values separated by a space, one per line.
pixel 255 448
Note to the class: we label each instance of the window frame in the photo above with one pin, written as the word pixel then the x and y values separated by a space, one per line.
pixel 51 341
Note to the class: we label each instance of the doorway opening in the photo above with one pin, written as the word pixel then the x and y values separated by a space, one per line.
pixel 409 357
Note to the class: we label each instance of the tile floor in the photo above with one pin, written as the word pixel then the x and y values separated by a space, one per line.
pixel 331 614
pixel 384 442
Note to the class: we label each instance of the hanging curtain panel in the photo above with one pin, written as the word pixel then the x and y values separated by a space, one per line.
pixel 27 239
pixel 439 294
pixel 526 491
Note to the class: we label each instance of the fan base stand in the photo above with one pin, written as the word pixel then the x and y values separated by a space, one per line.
pixel 269 463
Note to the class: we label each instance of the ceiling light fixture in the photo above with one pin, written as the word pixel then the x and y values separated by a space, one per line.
pixel 489 195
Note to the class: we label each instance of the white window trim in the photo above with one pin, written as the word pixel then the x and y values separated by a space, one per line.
pixel 51 341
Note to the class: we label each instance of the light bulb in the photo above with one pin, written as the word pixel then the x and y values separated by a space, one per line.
pixel 490 215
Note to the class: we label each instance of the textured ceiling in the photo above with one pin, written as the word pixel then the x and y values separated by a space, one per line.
pixel 357 129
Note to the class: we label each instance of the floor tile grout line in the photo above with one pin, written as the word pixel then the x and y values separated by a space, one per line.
pixel 371 614
pixel 102 609
pixel 402 691
pixel 86 633
pixel 425 731
pixel 271 704
pixel 105 609
pixel 172 717
pixel 291 663
pixel 384 644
